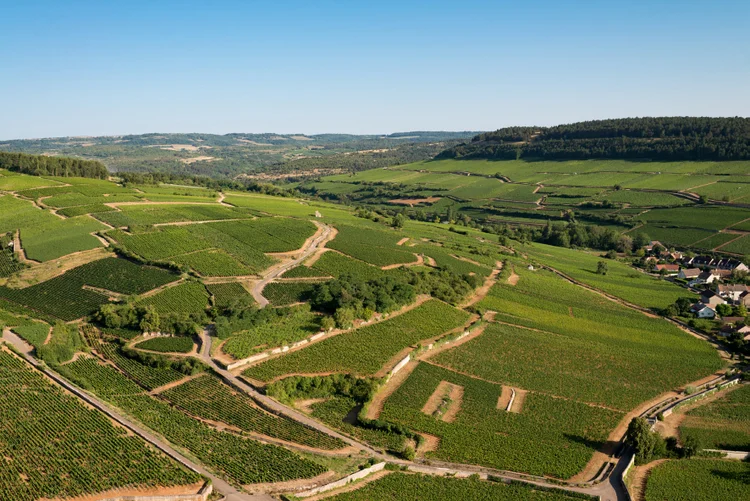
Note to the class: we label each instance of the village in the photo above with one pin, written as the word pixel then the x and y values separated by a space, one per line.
pixel 721 282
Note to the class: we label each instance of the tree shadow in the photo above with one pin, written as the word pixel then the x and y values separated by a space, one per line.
pixel 592 444
pixel 735 476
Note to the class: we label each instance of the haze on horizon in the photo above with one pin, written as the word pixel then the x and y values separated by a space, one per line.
pixel 91 69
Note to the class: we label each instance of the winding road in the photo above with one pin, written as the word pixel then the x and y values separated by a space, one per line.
pixel 276 271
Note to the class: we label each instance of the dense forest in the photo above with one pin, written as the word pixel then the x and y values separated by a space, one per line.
pixel 660 138
pixel 42 165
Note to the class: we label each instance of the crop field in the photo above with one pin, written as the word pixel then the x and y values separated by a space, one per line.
pixel 225 294
pixel 739 246
pixel 8 262
pixel 642 198
pixel 146 376
pixel 209 398
pixel 708 217
pixel 415 487
pixel 698 480
pixel 365 350
pixel 188 297
pixel 550 436
pixel 241 460
pixel 75 451
pixel 297 323
pixel 675 236
pixel 333 264
pixel 213 263
pixel 45 236
pixel 731 192
pixel 621 280
pixel 723 423
pixel 144 214
pixel 173 344
pixel 285 293
pixel 64 296
pixel 84 209
pixel 333 412
pixel 13 181
pixel 593 340
pixel 372 246
pixel 715 240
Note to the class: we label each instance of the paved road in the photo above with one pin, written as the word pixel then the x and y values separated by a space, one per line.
pixel 277 271
pixel 231 493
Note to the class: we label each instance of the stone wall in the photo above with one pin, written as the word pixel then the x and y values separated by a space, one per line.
pixel 344 481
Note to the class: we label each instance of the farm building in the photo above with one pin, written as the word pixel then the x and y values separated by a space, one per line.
pixel 733 292
pixel 703 310
pixel 689 273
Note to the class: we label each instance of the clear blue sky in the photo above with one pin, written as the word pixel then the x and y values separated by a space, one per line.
pixel 99 68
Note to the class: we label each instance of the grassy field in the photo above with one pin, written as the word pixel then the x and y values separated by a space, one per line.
pixel 365 350
pixel 698 480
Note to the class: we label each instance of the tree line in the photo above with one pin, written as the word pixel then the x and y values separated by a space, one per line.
pixel 42 165
pixel 654 138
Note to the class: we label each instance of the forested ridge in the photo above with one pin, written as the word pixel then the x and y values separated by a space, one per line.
pixel 653 138
pixel 42 165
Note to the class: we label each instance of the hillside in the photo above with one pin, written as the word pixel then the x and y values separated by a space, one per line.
pixel 230 155
pixel 659 138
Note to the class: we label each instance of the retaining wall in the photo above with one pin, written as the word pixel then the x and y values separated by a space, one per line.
pixel 344 481
pixel 202 495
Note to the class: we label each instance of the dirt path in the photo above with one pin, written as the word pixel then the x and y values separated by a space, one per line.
pixel 402 241
pixel 188 223
pixel 306 405
pixel 350 487
pixel 311 245
pixel 378 401
pixel 513 278
pixel 482 291
pixel 154 292
pixel 173 384
pixel 418 262
pixel 638 478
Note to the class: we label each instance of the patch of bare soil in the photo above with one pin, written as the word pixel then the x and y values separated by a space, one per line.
pixel 411 202
pixel 518 401
pixel 429 444
pixel 306 405
pixel 570 311
pixel 171 385
pixel 465 259
pixel 402 241
pixel 504 399
pixel 201 158
pixel 135 492
pixel 445 401
pixel 638 477
pixel 513 278
pixel 376 405
pixel 430 261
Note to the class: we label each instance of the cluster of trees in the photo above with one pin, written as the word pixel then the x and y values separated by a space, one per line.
pixel 660 138
pixel 245 315
pixel 147 319
pixel 571 234
pixel 334 385
pixel 152 178
pixel 649 445
pixel 42 165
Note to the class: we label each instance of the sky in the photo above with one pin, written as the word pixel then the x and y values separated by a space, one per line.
pixel 108 68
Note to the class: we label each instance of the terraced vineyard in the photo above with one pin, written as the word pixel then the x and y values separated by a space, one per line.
pixel 721 424
pixel 56 447
pixel 365 350
pixel 209 398
pixel 241 460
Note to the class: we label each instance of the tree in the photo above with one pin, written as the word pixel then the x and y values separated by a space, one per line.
pixel 327 323
pixel 398 221
pixel 344 318
pixel 149 320
pixel 646 443
pixel 724 310
pixel 602 267
pixel 691 446
pixel 640 240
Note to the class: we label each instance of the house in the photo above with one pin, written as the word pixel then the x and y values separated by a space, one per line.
pixel 745 299
pixel 733 292
pixel 731 320
pixel 669 269
pixel 706 277
pixel 689 273
pixel 654 244
pixel 701 262
pixel 703 310
pixel 731 265
pixel 728 330
pixel 674 255
pixel 711 298
pixel 722 274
